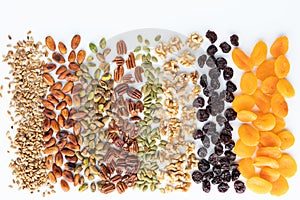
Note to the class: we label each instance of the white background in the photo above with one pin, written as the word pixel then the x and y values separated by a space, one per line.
pixel 251 20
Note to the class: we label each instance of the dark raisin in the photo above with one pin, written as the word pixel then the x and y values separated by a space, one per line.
pixel 212 36
pixel 214 73
pixel 230 155
pixel 211 50
pixel 213 159
pixel 202 152
pixel 208 91
pixel 230 114
pixel 235 174
pixel 211 62
pixel 203 165
pixel 225 47
pixel 217 169
pixel 222 95
pixel 234 166
pixel 205 141
pixel 206 186
pixel 215 138
pixel 228 126
pixel 229 97
pixel 220 119
pixel 208 108
pixel 203 81
pixel 223 187
pixel 216 180
pixel 197 134
pixel 218 107
pixel 225 138
pixel 225 176
pixel 230 86
pixel 227 73
pixel 234 39
pixel 221 63
pixel 202 115
pixel 239 187
pixel 209 127
pixel 208 175
pixel 225 163
pixel 230 145
pixel 199 102
pixel 201 60
pixel 218 149
pixel 197 176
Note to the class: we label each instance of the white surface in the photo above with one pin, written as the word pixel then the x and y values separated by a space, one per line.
pixel 251 20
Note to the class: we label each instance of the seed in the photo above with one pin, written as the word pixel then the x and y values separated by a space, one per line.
pixel 157 38
pixel 140 38
pixel 75 41
pixel 64 186
pixel 50 43
pixel 102 43
pixel 93 47
pixel 62 48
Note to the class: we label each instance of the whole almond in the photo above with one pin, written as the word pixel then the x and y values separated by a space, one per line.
pixel 77 128
pixel 63 75
pixel 48 135
pixel 51 150
pixel 54 125
pixel 48 79
pixel 62 134
pixel 67 152
pixel 51 142
pixel 57 57
pixel 48 104
pixel 72 146
pixel 49 113
pixel 65 113
pixel 72 77
pixel 76 179
pixel 69 123
pixel 75 41
pixel 52 177
pixel 68 87
pixel 61 121
pixel 49 162
pixel 68 176
pixel 49 67
pixel 61 144
pixel 72 138
pixel 47 124
pixel 59 159
pixel 61 70
pixel 74 66
pixel 52 99
pixel 81 56
pixel 58 94
pixel 56 86
pixel 56 170
pixel 61 105
pixel 62 48
pixel 50 43
pixel 64 186
pixel 72 56
pixel 69 100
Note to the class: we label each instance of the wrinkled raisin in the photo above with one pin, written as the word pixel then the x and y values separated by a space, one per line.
pixel 206 186
pixel 235 174
pixel 215 138
pixel 213 159
pixel 203 165
pixel 205 141
pixel 208 175
pixel 211 50
pixel 209 127
pixel 212 36
pixel 230 86
pixel 239 186
pixel 202 152
pixel 220 119
pixel 197 134
pixel 215 83
pixel 221 63
pixel 203 81
pixel 230 114
pixel 217 169
pixel 216 180
pixel 223 187
pixel 230 145
pixel 225 47
pixel 225 176
pixel 230 155
pixel 201 60
pixel 198 102
pixel 208 91
pixel 234 39
pixel 218 149
pixel 211 62
pixel 227 73
pixel 234 166
pixel 229 97
pixel 197 176
pixel 214 73
pixel 228 126
pixel 202 115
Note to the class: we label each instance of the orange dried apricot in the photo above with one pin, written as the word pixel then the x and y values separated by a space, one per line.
pixel 287 139
pixel 246 116
pixel 248 134
pixel 265 122
pixel 262 101
pixel 280 46
pixel 243 102
pixel 246 167
pixel 287 165
pixel 279 105
pixel 272 152
pixel 259 185
pixel 280 124
pixel 263 161
pixel 280 186
pixel 241 60
pixel 285 88
pixel 259 53
pixel 268 86
pixel 269 174
pixel 265 69
pixel 281 66
pixel 248 83
pixel 242 150
pixel 269 139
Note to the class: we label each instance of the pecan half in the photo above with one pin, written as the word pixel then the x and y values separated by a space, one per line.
pixel 134 93
pixel 130 62
pixel 121 47
pixel 138 74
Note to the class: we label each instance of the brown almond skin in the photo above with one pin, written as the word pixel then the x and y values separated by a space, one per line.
pixel 51 150
pixel 62 135
pixel 68 100
pixel 59 159
pixel 72 146
pixel 47 124
pixel 76 128
pixel 65 113
pixel 61 70
pixel 76 179
pixel 61 144
pixel 51 142
pixel 72 159
pixel 61 121
pixel 75 41
pixel 56 86
pixel 78 115
pixel 81 56
pixel 58 94
pixel 49 162
pixel 49 113
pixel 73 139
pixel 72 77
pixel 72 56
pixel 49 67
pixel 48 79
pixel 64 186
pixel 74 66
pixel 63 75
pixel 48 135
pixel 56 170
pixel 68 176
pixel 54 125
pixel 52 177
pixel 62 48
pixel 52 99
pixel 67 152
pixel 67 87
pixel 69 123
pixel 57 57
pixel 48 104
pixel 50 43
pixel 61 105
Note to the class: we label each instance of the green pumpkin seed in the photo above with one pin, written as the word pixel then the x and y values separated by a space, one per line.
pixel 93 47
pixel 154 59
pixel 146 49
pixel 157 38
pixel 102 43
pixel 137 49
pixel 140 38
pixel 147 42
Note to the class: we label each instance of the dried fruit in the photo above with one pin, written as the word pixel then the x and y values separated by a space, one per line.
pixel 241 60
pixel 262 101
pixel 259 53
pixel 248 83
pixel 280 186
pixel 246 167
pixel 279 105
pixel 246 116
pixel 268 86
pixel 263 161
pixel 280 46
pixel 272 152
pixel 234 39
pixel 243 150
pixel 265 69
pixel 287 139
pixel 269 139
pixel 280 124
pixel 281 66
pixel 287 166
pixel 243 102
pixel 285 88
pixel 248 135
pixel 259 185
pixel 265 122
pixel 269 174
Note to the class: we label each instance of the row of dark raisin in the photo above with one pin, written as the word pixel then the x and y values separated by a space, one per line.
pixel 218 168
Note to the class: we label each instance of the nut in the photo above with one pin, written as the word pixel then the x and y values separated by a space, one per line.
pixel 48 79
pixel 121 47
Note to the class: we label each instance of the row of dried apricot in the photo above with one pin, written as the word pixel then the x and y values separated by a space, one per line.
pixel 261 107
